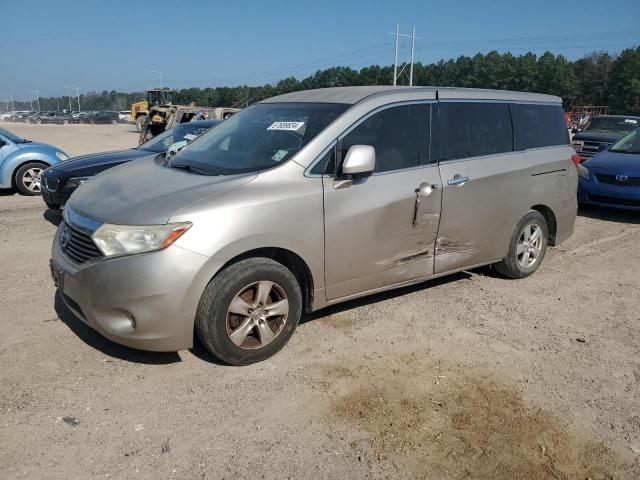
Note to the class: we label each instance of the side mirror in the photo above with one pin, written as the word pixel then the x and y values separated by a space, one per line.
pixel 360 161
pixel 603 146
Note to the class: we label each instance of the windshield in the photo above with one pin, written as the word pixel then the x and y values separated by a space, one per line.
pixel 183 131
pixel 260 137
pixel 611 124
pixel 11 136
pixel 628 144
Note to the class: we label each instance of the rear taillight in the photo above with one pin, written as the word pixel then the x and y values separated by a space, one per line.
pixel 576 159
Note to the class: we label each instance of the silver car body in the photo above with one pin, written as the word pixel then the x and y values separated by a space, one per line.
pixel 347 239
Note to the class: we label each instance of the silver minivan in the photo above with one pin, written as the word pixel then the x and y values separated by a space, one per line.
pixel 309 199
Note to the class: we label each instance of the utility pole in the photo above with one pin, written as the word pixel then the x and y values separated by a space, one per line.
pixel 6 102
pixel 30 101
pixel 68 89
pixel 77 89
pixel 413 38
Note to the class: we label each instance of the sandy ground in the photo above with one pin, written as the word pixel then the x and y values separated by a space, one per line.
pixel 471 376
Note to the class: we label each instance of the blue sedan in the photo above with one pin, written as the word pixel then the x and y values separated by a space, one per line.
pixel 22 161
pixel 612 177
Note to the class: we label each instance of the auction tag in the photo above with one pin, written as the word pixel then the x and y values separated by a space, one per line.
pixel 630 120
pixel 290 126
pixel 190 136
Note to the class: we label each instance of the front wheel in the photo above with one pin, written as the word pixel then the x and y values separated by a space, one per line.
pixel 28 178
pixel 249 311
pixel 527 247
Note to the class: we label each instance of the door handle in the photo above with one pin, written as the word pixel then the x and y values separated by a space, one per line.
pixel 458 180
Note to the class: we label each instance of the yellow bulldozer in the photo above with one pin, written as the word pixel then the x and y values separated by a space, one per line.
pixel 155 96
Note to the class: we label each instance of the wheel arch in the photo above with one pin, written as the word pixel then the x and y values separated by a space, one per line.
pixel 21 162
pixel 291 260
pixel 552 222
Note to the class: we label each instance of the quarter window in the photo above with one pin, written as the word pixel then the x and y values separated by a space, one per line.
pixel 469 129
pixel 538 126
pixel 399 134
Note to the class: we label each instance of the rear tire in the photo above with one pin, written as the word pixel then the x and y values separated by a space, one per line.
pixel 234 320
pixel 527 247
pixel 27 178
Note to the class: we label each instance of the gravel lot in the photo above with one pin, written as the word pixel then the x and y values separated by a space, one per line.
pixel 471 376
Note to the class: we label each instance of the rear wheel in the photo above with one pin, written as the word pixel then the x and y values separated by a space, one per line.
pixel 27 178
pixel 527 247
pixel 249 311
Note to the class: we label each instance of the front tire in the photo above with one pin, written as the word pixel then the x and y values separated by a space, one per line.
pixel 27 178
pixel 249 311
pixel 527 247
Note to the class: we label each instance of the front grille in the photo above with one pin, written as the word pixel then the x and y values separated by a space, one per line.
pixel 627 202
pixel 50 183
pixel 612 180
pixel 78 244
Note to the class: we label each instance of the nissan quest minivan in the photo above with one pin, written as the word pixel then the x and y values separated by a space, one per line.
pixel 309 199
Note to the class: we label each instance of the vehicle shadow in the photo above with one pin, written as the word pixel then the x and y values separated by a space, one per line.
pixel 52 216
pixel 609 214
pixel 5 192
pixel 381 297
pixel 106 346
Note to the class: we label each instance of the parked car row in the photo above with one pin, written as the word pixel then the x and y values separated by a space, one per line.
pixel 62 118
pixel 601 132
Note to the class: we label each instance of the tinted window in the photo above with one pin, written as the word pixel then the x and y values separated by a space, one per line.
pixel 611 124
pixel 327 164
pixel 400 136
pixel 474 129
pixel 538 126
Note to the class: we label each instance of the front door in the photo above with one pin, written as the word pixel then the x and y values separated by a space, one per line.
pixel 381 230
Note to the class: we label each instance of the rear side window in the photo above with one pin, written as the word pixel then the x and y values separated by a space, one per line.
pixel 538 126
pixel 399 134
pixel 470 129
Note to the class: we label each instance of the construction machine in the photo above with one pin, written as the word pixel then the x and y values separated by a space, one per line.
pixel 155 96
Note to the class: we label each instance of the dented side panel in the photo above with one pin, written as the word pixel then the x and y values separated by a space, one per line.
pixel 375 236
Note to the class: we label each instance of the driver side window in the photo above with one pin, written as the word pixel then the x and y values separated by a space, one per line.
pixel 400 135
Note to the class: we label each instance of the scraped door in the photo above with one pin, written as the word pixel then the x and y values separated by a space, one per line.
pixel 381 230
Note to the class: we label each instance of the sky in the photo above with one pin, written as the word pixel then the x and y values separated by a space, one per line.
pixel 122 45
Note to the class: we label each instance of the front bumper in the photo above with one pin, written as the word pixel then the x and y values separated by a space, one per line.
pixel 606 195
pixel 145 301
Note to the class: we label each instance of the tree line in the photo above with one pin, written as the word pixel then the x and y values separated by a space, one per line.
pixel 598 78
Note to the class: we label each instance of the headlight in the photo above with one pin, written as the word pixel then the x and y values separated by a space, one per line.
pixel 61 156
pixel 583 172
pixel 75 182
pixel 127 239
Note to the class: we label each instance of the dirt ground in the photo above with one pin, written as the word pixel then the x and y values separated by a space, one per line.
pixel 471 376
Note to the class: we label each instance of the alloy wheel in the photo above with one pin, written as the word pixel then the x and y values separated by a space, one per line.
pixel 257 315
pixel 31 179
pixel 529 245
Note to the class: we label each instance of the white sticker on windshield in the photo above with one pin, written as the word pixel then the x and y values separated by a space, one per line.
pixel 291 126
pixel 279 155
pixel 630 120
pixel 190 136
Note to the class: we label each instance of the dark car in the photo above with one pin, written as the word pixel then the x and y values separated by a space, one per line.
pixel 60 182
pixel 52 117
pixel 601 132
pixel 103 117
pixel 21 116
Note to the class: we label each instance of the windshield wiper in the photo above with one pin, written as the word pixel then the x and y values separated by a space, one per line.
pixel 189 168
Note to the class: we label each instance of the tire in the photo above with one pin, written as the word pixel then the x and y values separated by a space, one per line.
pixel 139 121
pixel 237 338
pixel 31 170
pixel 525 254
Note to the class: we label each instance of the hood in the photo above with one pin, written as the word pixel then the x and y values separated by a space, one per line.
pixel 626 163
pixel 90 165
pixel 606 137
pixel 146 193
pixel 39 145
